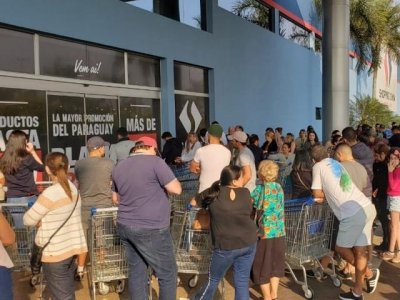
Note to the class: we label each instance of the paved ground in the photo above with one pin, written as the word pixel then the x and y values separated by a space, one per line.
pixel 388 288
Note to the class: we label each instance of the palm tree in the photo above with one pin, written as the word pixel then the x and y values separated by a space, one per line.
pixel 253 11
pixel 368 110
pixel 374 27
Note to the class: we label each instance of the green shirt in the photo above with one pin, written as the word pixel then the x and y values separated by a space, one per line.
pixel 271 194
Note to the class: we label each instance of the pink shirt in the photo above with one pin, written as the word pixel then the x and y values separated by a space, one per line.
pixel 394 183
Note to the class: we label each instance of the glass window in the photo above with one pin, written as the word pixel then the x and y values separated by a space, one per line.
pixel 189 12
pixel 143 4
pixel 143 70
pixel 318 44
pixel 291 31
pixel 251 10
pixel 16 51
pixel 73 60
pixel 190 78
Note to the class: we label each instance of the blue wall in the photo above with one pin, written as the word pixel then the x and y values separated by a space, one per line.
pixel 259 78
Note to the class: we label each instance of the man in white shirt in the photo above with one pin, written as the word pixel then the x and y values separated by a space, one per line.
pixel 209 160
pixel 244 159
pixel 355 213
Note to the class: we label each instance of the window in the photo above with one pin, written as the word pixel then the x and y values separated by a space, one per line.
pixel 250 10
pixel 291 31
pixel 189 12
pixel 16 51
pixel 191 99
pixel 143 70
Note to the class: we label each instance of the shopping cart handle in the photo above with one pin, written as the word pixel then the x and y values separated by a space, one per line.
pixel 302 201
pixel 30 203
pixel 93 211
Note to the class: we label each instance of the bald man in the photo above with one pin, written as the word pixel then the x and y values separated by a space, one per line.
pixel 357 171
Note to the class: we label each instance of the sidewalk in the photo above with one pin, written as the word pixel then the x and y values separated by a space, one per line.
pixel 388 288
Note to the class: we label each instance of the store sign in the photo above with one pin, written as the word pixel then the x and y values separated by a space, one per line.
pixel 73 60
pixel 191 115
pixel 386 82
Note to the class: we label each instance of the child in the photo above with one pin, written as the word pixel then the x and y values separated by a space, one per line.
pixel 393 192
pixel 269 262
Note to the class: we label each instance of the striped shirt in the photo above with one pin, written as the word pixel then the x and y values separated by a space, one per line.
pixel 52 208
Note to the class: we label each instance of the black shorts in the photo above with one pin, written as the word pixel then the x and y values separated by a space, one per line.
pixel 269 260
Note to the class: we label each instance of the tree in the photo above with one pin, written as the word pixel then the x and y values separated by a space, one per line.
pixel 253 11
pixel 374 27
pixel 368 110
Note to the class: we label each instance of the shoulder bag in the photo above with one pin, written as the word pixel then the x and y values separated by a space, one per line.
pixel 37 251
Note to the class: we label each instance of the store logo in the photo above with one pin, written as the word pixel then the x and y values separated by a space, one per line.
pixel 387 66
pixel 190 117
pixel 81 68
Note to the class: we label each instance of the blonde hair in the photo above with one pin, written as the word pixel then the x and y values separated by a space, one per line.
pixel 268 170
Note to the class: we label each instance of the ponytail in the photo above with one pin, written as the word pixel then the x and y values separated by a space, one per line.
pixel 58 164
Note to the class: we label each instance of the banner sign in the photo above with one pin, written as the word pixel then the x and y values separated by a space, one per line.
pixel 386 82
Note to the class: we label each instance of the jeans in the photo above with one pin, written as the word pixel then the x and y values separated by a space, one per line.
pixel 154 248
pixel 17 213
pixel 6 286
pixel 221 260
pixel 60 278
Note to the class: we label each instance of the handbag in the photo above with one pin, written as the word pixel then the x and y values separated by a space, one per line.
pixel 37 251
pixel 202 220
pixel 257 216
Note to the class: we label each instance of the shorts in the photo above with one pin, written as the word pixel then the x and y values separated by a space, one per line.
pixel 394 203
pixel 269 260
pixel 357 230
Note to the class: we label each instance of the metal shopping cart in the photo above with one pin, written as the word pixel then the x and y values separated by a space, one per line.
pixel 193 248
pixel 20 251
pixel 308 235
pixel 180 202
pixel 107 254
pixel 182 172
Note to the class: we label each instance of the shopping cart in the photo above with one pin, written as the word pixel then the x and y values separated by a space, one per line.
pixel 193 248
pixel 108 262
pixel 183 173
pixel 20 251
pixel 180 202
pixel 308 235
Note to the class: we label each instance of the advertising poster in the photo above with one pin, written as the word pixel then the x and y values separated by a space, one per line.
pixel 386 82
pixel 140 116
pixel 24 110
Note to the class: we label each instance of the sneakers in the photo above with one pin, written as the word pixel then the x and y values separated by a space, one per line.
pixel 388 255
pixel 373 281
pixel 350 296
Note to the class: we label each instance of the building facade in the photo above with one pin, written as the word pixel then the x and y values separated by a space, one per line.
pixel 73 69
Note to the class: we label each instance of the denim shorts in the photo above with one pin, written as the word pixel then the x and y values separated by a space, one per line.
pixel 394 203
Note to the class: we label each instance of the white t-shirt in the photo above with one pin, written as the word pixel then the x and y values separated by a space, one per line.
pixel 246 158
pixel 212 158
pixel 343 196
pixel 188 155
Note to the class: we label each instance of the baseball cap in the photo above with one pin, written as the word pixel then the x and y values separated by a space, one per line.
pixel 239 136
pixel 96 142
pixel 215 130
pixel 148 141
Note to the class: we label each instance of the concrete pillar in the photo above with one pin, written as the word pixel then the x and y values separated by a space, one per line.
pixel 335 66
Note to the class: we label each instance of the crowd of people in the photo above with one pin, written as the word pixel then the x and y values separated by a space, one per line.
pixel 357 172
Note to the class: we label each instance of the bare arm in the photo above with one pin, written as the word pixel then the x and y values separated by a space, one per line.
pixel 31 150
pixel 194 167
pixel 318 196
pixel 174 187
pixel 7 234
pixel 115 198
pixel 246 173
